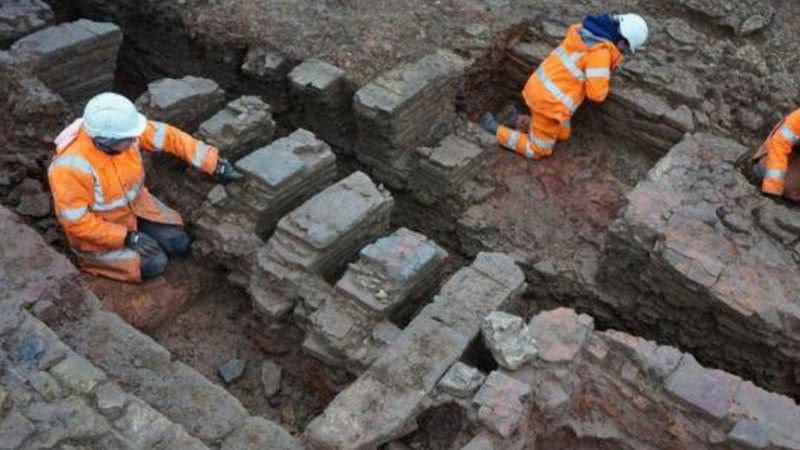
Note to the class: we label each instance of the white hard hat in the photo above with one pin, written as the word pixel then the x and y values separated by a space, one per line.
pixel 634 29
pixel 113 116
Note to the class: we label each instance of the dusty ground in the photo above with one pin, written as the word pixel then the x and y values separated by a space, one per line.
pixel 219 324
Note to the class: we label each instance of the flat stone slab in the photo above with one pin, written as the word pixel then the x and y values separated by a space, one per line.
pixel 461 380
pixel 315 74
pixel 76 59
pixel 397 87
pixel 68 39
pixel 286 160
pixel 242 126
pixel 183 102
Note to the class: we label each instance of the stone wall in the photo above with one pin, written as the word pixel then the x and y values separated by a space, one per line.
pixel 70 372
pixel 592 389
pixel 701 259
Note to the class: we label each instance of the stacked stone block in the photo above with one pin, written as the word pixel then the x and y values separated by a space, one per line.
pixel 353 326
pixel 383 403
pixel 183 102
pixel 22 17
pixel 319 236
pixel 323 97
pixel 234 218
pixel 698 240
pixel 269 68
pixel 443 170
pixel 76 60
pixel 409 106
pixel 244 125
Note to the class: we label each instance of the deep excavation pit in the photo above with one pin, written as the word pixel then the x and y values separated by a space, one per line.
pixel 356 256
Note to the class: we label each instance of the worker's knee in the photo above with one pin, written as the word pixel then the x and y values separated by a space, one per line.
pixel 172 238
pixel 153 266
pixel 177 243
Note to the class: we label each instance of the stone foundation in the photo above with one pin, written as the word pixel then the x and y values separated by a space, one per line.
pixel 697 240
pixel 322 96
pixel 76 60
pixel 407 107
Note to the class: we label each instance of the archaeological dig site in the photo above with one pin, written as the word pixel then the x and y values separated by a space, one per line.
pixel 399 224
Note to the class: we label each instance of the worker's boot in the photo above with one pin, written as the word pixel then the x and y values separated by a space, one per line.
pixel 509 116
pixel 489 123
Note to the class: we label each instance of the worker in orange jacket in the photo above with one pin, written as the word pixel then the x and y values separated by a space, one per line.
pixel 579 68
pixel 777 167
pixel 114 225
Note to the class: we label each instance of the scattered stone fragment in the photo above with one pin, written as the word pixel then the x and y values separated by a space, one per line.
pixel 259 433
pixel 461 380
pixel 271 374
pixel 110 399
pixel 232 370
pixel 504 403
pixel 509 339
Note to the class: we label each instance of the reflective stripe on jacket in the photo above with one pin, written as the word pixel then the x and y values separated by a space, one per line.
pixel 777 149
pixel 97 197
pixel 572 72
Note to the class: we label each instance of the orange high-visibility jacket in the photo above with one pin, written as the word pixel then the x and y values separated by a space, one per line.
pixel 572 72
pixel 777 149
pixel 98 197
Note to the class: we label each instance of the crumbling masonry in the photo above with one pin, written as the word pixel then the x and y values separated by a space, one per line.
pixel 386 226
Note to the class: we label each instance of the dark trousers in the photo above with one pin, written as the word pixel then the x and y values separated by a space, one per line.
pixel 173 241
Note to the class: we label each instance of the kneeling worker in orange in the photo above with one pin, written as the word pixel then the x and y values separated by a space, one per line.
pixel 777 166
pixel 580 67
pixel 114 225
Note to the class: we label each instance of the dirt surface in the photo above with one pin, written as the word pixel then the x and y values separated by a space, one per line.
pixel 557 209
pixel 220 325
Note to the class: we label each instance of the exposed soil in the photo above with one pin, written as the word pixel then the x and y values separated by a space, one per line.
pixel 220 325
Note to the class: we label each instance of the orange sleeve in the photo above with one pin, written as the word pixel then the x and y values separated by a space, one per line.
pixel 598 74
pixel 72 196
pixel 779 147
pixel 159 136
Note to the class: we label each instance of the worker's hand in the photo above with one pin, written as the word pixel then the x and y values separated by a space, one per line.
pixel 226 172
pixel 142 243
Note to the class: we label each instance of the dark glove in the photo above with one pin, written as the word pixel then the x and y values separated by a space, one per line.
pixel 142 243
pixel 226 172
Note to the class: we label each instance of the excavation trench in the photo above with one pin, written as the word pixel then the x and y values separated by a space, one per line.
pixel 551 215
